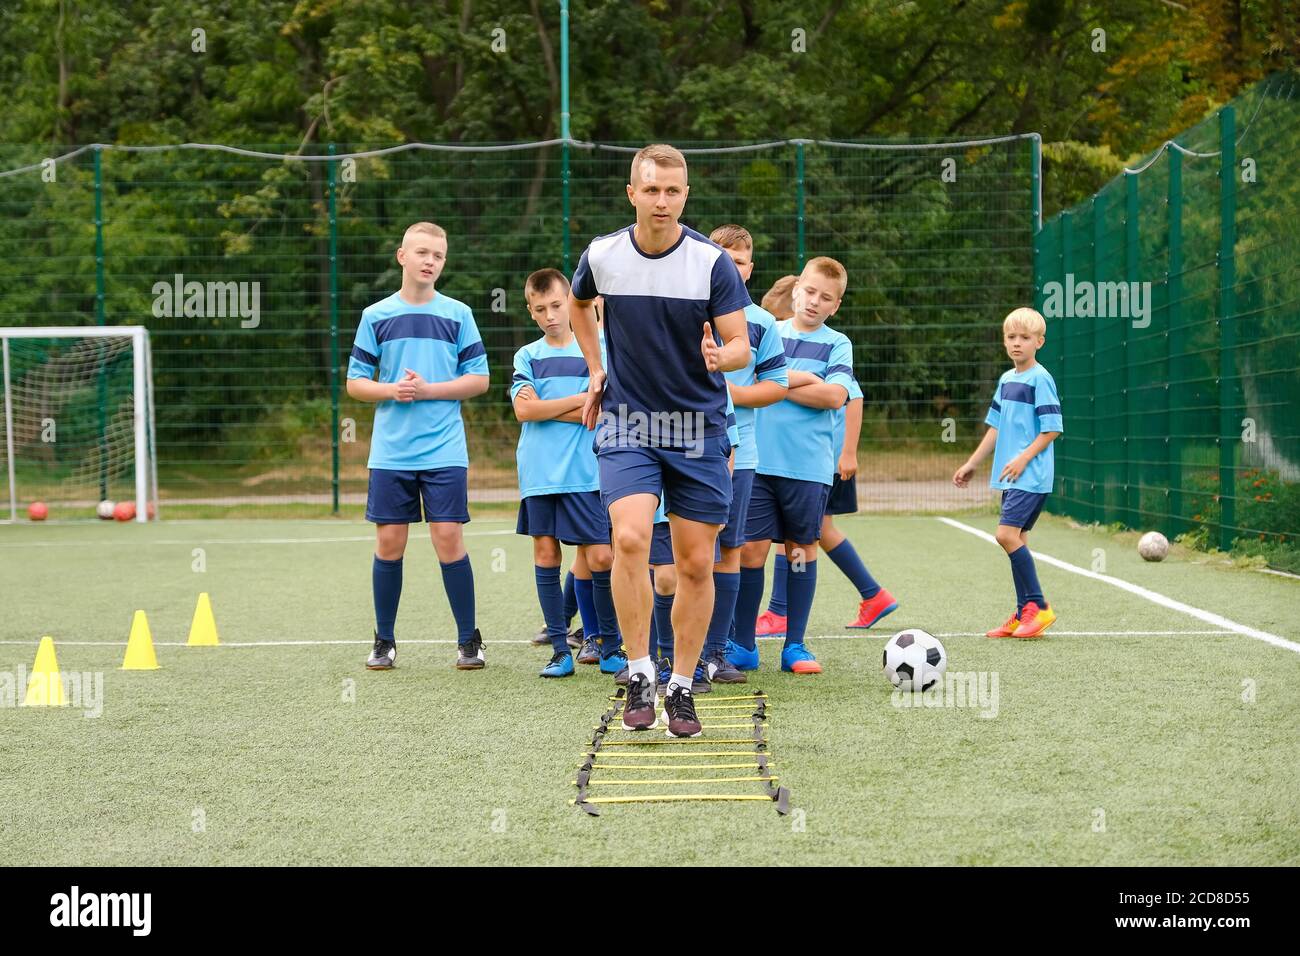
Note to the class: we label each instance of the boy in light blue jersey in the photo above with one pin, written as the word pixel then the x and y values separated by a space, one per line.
pixel 762 382
pixel 797 444
pixel 428 355
pixel 559 485
pixel 1024 419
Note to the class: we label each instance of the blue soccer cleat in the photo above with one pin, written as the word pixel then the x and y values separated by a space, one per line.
pixel 797 659
pixel 560 665
pixel 613 663
pixel 740 658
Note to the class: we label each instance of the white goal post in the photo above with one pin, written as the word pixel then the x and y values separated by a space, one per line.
pixel 76 378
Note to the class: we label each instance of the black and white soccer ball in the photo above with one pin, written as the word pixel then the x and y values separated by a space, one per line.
pixel 914 658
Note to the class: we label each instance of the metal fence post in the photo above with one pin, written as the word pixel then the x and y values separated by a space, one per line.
pixel 1229 430
pixel 101 318
pixel 1134 446
pixel 1174 347
pixel 799 200
pixel 334 327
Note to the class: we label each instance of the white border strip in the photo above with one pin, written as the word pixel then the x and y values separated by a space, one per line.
pixel 1209 617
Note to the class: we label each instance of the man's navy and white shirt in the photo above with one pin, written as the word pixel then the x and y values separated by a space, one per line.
pixel 655 309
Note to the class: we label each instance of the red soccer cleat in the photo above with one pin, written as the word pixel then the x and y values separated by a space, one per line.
pixel 770 625
pixel 874 608
pixel 1034 620
pixel 1007 629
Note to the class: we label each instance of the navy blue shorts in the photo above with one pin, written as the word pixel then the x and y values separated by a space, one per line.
pixel 1020 509
pixel 693 486
pixel 574 518
pixel 843 499
pixel 786 509
pixel 661 545
pixel 742 486
pixel 394 497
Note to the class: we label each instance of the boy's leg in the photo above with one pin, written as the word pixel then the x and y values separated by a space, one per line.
pixel 392 502
pixel 726 580
pixel 446 509
pixel 664 578
pixel 584 590
pixel 875 601
pixel 776 603
pixel 1020 510
pixel 803 505
pixel 547 557
pixel 582 521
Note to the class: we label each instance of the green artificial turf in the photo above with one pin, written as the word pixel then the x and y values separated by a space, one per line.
pixel 1107 747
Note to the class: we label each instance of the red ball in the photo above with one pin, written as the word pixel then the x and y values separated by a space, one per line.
pixel 124 511
pixel 37 511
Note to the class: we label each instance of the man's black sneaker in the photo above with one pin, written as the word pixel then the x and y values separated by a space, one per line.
pixel 383 657
pixel 639 709
pixel 621 678
pixel 722 671
pixel 575 637
pixel 682 721
pixel 541 637
pixel 470 655
pixel 590 653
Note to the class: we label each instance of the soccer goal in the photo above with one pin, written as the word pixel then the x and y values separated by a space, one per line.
pixel 78 418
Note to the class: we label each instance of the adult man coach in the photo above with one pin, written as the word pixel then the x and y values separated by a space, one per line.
pixel 661 414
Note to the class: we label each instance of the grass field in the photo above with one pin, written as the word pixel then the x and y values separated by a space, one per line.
pixel 1130 736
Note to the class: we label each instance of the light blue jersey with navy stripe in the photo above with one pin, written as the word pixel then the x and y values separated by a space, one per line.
pixel 795 441
pixel 553 457
pixel 766 364
pixel 440 342
pixel 655 309
pixel 1025 404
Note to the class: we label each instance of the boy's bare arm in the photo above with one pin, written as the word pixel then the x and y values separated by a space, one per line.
pixel 848 463
pixel 819 395
pixel 368 390
pixel 758 395
pixel 1012 469
pixel 529 408
pixel 462 387
pixel 961 477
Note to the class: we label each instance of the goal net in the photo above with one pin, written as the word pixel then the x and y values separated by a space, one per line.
pixel 78 420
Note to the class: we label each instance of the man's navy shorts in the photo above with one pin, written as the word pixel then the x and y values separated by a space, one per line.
pixel 1020 509
pixel 395 497
pixel 786 509
pixel 574 518
pixel 696 486
pixel 843 498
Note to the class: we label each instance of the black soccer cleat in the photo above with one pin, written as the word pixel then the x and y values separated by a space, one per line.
pixel 639 708
pixel 470 654
pixel 383 656
pixel 682 721
pixel 575 638
pixel 722 671
pixel 541 637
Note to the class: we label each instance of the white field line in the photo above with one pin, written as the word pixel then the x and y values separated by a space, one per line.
pixel 209 542
pixel 880 635
pixel 1209 617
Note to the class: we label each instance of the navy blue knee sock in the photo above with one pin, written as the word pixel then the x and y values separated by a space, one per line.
pixel 846 559
pixel 726 589
pixel 777 603
pixel 551 597
pixel 386 581
pixel 800 588
pixel 570 599
pixel 664 624
pixel 602 594
pixel 748 600
pixel 458 580
pixel 1022 565
pixel 582 590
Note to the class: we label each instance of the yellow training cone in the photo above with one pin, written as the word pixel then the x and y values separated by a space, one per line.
pixel 139 646
pixel 203 630
pixel 45 687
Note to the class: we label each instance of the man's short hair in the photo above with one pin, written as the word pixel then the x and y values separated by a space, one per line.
pixel 431 228
pixel 541 282
pixel 829 268
pixel 732 236
pixel 779 298
pixel 1025 319
pixel 660 154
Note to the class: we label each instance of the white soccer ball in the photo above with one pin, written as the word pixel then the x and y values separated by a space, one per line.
pixel 1153 546
pixel 914 658
pixel 105 510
